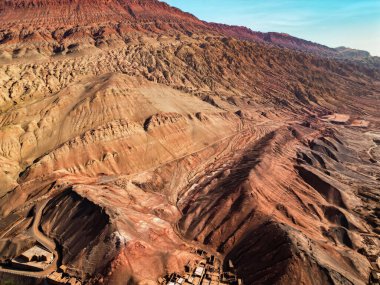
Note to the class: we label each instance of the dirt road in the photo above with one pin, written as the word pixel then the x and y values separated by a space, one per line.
pixel 44 241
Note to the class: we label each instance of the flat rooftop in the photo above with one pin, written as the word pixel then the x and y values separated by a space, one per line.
pixel 35 259
pixel 37 251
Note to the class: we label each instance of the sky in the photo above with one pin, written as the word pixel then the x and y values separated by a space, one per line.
pixel 350 23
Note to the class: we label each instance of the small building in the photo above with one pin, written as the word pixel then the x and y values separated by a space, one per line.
pixel 63 268
pixel 187 268
pixel 74 281
pixel 375 276
pixel 375 261
pixel 201 252
pixel 197 281
pixel 199 271
pixel 214 277
pixel 57 278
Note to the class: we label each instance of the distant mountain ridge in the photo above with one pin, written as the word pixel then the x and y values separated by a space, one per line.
pixel 151 15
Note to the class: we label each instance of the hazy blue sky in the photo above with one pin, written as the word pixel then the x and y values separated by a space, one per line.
pixel 352 23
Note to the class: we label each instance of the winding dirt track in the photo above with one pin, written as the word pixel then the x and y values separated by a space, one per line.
pixel 44 241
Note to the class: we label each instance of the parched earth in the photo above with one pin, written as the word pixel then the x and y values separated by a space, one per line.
pixel 154 132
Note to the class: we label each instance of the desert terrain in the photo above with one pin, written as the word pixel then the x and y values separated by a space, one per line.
pixel 133 135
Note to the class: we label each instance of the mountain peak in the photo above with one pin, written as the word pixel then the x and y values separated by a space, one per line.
pixel 50 13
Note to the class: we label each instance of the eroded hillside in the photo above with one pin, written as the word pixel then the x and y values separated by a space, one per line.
pixel 138 133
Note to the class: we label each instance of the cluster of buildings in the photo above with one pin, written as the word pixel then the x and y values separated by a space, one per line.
pixel 60 277
pixel 207 271
pixel 36 258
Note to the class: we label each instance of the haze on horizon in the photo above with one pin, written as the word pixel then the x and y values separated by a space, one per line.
pixel 350 23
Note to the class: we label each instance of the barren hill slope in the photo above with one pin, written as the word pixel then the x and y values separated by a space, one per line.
pixel 149 133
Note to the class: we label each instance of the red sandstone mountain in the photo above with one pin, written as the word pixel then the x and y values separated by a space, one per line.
pixel 132 132
pixel 50 13
pixel 151 15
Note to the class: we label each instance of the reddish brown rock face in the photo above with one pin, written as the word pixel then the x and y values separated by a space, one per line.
pixel 50 13
pixel 132 132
